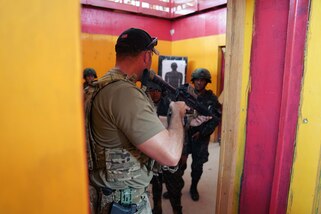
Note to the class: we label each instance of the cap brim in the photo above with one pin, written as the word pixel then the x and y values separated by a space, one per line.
pixel 155 51
pixel 152 44
pixel 154 41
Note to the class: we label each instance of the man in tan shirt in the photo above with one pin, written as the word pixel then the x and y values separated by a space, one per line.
pixel 127 133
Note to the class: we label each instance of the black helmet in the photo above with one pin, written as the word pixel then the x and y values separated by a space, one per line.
pixel 89 72
pixel 201 73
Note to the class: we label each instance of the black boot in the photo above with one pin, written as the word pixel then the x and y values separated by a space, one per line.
pixel 175 200
pixel 193 191
pixel 177 210
pixel 157 210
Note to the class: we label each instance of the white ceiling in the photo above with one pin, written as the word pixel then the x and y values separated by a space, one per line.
pixel 161 8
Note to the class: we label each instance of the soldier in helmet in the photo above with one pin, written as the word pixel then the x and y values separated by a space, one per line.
pixel 161 103
pixel 196 143
pixel 199 137
pixel 89 76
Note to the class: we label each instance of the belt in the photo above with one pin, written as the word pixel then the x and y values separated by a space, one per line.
pixel 124 196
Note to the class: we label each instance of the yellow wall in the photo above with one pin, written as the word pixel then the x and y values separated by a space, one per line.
pixel 42 155
pixel 201 52
pixel 245 87
pixel 305 185
pixel 98 52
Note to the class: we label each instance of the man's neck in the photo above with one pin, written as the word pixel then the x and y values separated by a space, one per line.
pixel 128 69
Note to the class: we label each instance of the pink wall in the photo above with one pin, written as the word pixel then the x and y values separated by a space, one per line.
pixel 293 71
pixel 267 69
pixel 205 24
pixel 103 21
pixel 277 60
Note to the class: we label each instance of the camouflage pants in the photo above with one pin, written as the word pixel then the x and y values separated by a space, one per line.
pixel 143 207
pixel 93 199
pixel 101 204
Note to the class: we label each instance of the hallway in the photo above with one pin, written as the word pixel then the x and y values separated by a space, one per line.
pixel 206 187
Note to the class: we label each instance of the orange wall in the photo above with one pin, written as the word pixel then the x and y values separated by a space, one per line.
pixel 42 154
pixel 201 52
pixel 98 52
pixel 198 37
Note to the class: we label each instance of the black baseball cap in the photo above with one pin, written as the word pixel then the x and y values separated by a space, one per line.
pixel 135 40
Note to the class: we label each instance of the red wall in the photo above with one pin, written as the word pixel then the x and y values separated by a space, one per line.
pixel 264 104
pixel 205 24
pixel 103 21
pixel 197 37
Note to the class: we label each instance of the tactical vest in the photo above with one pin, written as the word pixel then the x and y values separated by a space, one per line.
pixel 120 164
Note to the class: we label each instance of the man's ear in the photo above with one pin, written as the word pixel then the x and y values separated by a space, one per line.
pixel 145 55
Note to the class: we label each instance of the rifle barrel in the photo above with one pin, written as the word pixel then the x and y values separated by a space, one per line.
pixel 159 81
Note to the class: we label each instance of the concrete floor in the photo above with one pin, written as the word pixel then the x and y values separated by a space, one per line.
pixel 206 187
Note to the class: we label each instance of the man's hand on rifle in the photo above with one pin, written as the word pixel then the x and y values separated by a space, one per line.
pixel 199 120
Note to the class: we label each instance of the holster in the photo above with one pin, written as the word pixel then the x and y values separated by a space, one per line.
pixel 119 201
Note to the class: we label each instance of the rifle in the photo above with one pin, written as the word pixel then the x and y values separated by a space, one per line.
pixel 184 93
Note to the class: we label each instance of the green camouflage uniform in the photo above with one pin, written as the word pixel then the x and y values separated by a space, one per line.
pixel 118 124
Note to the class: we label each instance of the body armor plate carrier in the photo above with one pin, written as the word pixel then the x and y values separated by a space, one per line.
pixel 120 164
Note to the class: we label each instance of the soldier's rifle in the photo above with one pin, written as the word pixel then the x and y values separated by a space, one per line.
pixel 184 93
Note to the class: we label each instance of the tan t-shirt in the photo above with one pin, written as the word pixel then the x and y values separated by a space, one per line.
pixel 122 116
